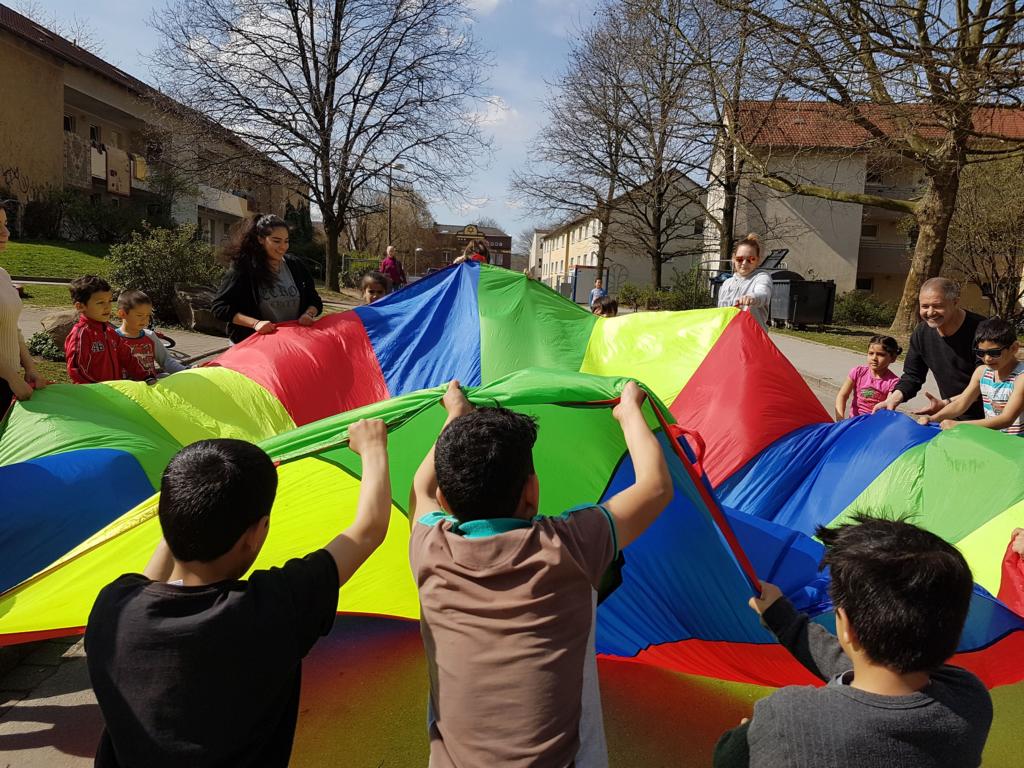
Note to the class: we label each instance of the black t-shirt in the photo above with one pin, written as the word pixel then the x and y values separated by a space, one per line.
pixel 950 359
pixel 206 676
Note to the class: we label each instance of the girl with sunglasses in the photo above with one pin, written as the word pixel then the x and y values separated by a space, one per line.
pixel 999 381
pixel 747 289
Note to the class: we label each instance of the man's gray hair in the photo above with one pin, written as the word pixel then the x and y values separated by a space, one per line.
pixel 943 285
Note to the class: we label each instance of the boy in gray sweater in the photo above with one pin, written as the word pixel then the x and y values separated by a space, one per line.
pixel 901 596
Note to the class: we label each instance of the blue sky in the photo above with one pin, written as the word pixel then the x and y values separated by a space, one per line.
pixel 529 41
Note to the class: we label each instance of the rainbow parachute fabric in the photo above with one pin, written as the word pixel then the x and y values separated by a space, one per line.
pixel 756 463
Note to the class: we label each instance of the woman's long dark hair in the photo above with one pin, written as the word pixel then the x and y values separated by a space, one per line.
pixel 245 252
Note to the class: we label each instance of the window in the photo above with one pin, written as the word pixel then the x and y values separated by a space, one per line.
pixel 869 231
pixel 865 283
pixel 69 123
pixel 95 134
pixel 698 226
pixel 115 138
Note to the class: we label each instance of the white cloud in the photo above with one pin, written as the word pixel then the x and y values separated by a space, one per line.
pixel 495 112
pixel 471 205
pixel 483 7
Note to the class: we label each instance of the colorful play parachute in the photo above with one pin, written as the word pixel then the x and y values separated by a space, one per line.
pixel 755 461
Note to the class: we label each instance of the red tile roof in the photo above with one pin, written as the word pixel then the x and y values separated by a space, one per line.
pixel 822 125
pixel 25 28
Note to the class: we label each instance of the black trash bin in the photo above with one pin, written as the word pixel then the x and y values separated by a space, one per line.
pixel 797 302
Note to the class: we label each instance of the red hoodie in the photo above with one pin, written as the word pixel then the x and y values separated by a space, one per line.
pixel 95 353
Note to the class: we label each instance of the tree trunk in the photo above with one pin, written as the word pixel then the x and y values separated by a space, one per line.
pixel 656 271
pixel 933 217
pixel 730 185
pixel 332 230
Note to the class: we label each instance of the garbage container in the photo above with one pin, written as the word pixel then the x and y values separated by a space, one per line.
pixel 798 302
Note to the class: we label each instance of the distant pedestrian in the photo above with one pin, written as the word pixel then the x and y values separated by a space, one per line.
pixel 748 289
pixel 476 250
pixel 393 268
pixel 597 292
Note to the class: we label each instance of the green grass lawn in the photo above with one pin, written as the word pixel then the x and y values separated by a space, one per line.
pixel 55 259
pixel 47 296
pixel 54 372
pixel 855 338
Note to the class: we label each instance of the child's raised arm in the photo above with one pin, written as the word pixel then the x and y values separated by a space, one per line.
pixel 844 394
pixel 958 404
pixel 635 508
pixel 368 438
pixel 423 495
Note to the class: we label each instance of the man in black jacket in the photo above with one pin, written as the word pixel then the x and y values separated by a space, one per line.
pixel 942 343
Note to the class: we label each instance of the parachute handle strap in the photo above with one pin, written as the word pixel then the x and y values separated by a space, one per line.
pixel 695 440
pixel 700 481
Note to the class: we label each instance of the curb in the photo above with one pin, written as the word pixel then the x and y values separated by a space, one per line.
pixel 41 280
pixel 820 381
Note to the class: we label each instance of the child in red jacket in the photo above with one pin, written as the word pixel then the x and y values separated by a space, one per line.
pixel 93 350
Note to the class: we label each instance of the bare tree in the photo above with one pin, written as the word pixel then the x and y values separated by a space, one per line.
pixel 77 29
pixel 983 244
pixel 490 222
pixel 576 159
pixel 411 223
pixel 339 92
pixel 923 82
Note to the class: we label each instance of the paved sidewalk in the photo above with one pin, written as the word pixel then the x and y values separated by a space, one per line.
pixel 825 368
pixel 49 718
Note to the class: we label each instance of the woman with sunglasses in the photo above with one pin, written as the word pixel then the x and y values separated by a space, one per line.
pixel 999 381
pixel 748 289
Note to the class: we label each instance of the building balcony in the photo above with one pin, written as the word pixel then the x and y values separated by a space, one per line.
pixel 223 202
pixel 884 258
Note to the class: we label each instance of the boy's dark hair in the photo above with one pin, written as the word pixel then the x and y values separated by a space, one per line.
pixel 483 460
pixel 129 300
pixel 82 288
pixel 888 343
pixel 609 306
pixel 996 331
pixel 211 493
pixel 905 591
pixel 375 277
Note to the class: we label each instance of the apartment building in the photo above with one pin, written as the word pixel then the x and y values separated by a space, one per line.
pixel 559 252
pixel 74 121
pixel 859 247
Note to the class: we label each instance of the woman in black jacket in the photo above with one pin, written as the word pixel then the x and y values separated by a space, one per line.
pixel 264 284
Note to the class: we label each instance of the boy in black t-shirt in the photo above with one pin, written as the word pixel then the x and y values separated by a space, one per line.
pixel 193 666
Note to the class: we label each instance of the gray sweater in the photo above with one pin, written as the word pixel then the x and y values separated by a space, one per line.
pixel 944 725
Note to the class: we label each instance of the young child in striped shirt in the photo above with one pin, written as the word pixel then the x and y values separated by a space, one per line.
pixel 996 345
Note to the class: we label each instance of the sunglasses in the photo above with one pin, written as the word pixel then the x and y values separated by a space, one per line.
pixel 980 353
pixel 743 260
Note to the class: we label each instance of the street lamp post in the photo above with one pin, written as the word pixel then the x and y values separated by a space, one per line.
pixel 400 167
pixel 415 260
